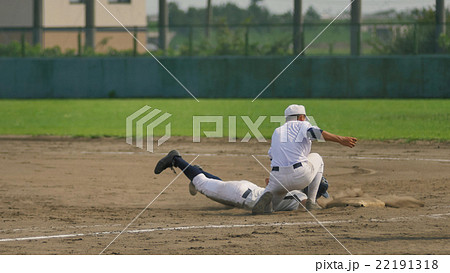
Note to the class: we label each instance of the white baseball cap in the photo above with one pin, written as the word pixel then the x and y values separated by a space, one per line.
pixel 295 109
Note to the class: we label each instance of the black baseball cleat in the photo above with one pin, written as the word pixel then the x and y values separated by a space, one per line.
pixel 263 205
pixel 166 162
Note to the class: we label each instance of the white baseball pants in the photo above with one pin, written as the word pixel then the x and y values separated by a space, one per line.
pixel 241 194
pixel 289 179
pixel 232 193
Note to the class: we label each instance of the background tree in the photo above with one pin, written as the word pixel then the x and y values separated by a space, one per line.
pixel 413 39
pixel 312 15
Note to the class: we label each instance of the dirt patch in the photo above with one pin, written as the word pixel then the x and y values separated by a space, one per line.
pixel 73 196
pixel 357 202
pixel 402 202
pixel 358 198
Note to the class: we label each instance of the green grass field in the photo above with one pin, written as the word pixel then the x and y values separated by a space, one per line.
pixel 365 119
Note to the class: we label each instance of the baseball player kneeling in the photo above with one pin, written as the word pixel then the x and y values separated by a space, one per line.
pixel 241 194
pixel 293 166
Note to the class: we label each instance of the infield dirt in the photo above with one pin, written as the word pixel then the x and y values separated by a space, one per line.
pixel 75 195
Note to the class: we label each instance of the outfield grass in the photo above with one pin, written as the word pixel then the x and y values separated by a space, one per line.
pixel 365 119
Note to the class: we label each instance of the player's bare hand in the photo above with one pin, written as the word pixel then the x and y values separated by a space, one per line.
pixel 349 141
pixel 267 181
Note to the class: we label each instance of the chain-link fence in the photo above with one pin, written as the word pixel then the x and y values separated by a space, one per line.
pixel 217 40
pixel 264 40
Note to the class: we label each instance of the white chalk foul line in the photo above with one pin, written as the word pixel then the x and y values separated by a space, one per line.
pixel 136 231
pixel 165 229
pixel 149 204
pixel 264 155
pixel 53 228
pixel 312 215
pixel 390 158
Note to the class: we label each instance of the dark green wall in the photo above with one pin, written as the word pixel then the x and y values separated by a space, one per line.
pixel 222 77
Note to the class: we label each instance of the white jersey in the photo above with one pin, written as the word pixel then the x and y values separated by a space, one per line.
pixel 291 143
pixel 242 194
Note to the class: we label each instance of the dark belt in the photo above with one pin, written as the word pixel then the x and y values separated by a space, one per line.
pixel 296 165
pixel 292 197
pixel 246 193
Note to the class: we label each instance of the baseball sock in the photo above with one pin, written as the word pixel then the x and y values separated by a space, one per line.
pixel 314 187
pixel 210 175
pixel 189 170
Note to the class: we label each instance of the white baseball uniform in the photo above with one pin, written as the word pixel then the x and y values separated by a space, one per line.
pixel 242 194
pixel 293 167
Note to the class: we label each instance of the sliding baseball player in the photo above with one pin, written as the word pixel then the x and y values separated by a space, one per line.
pixel 241 194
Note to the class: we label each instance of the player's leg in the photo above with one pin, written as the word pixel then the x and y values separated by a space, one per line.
pixel 272 196
pixel 291 201
pixel 174 159
pixel 192 189
pixel 285 180
pixel 183 165
pixel 191 172
pixel 317 163
pixel 215 189
pixel 275 186
pixel 208 174
pixel 264 204
pixel 323 189
pixel 232 193
pixel 179 161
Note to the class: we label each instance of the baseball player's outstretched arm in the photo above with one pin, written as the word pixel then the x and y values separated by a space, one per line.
pixel 345 141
